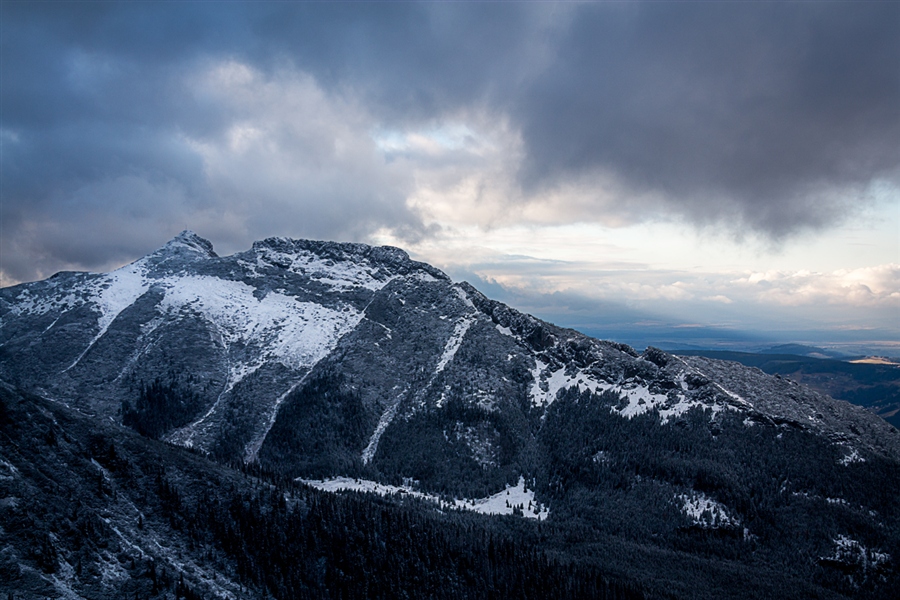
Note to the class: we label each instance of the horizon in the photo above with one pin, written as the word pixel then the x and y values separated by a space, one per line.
pixel 724 175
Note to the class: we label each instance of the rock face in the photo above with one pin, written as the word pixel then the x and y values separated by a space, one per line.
pixel 233 339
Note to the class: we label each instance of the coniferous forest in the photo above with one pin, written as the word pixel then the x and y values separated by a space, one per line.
pixel 90 505
pixel 103 509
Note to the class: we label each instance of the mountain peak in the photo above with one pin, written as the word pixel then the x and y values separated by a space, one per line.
pixel 335 250
pixel 189 239
pixel 394 258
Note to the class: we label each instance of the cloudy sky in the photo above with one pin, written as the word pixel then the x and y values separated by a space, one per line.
pixel 696 172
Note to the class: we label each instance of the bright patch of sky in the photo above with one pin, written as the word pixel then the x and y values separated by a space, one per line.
pixel 537 243
pixel 453 136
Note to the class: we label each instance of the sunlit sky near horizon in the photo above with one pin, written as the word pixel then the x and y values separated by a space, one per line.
pixel 712 173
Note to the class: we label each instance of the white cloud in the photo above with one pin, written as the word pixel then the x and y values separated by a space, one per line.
pixel 867 286
pixel 294 159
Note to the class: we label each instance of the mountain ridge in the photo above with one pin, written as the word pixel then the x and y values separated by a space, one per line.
pixel 278 310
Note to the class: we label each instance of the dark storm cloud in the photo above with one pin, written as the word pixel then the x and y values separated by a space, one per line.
pixel 765 115
pixel 767 111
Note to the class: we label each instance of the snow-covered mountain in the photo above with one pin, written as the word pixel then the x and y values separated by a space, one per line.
pixel 240 333
pixel 354 367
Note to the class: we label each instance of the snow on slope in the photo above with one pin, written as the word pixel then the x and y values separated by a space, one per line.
pixel 339 275
pixel 850 551
pixel 297 334
pixel 454 342
pixel 28 303
pixel 705 511
pixel 109 294
pixel 548 383
pixel 113 293
pixel 252 450
pixel 505 502
pixel 639 399
pixel 387 417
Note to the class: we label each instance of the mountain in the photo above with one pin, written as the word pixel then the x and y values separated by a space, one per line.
pixel 314 360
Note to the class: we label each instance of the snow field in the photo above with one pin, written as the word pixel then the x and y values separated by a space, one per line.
pixel 298 334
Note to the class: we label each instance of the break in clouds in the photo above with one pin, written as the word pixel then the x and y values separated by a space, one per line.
pixel 123 124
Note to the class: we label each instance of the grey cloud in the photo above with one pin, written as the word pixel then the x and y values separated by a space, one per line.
pixel 101 124
pixel 760 112
pixel 774 116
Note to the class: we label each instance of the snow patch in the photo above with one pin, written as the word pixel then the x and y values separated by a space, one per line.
pixel 683 405
pixel 27 303
pixel 850 551
pixel 297 334
pixel 253 447
pixel 422 277
pixel 515 499
pixel 341 275
pixel 464 297
pixel 737 398
pixel 705 511
pixel 345 484
pixel 851 457
pixel 546 384
pixel 451 346
pixel 639 399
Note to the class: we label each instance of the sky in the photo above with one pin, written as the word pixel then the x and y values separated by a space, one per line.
pixel 719 174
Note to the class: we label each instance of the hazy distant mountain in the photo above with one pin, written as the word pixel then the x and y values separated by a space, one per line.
pixel 318 359
pixel 803 350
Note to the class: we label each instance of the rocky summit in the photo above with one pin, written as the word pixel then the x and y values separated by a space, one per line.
pixel 330 362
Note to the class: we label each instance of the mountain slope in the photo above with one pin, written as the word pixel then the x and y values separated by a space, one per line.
pixel 90 510
pixel 874 386
pixel 316 359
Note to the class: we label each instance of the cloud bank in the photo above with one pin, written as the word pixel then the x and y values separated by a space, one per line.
pixel 122 124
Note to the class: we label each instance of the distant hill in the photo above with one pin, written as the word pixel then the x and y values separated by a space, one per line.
pixel 803 350
pixel 871 385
